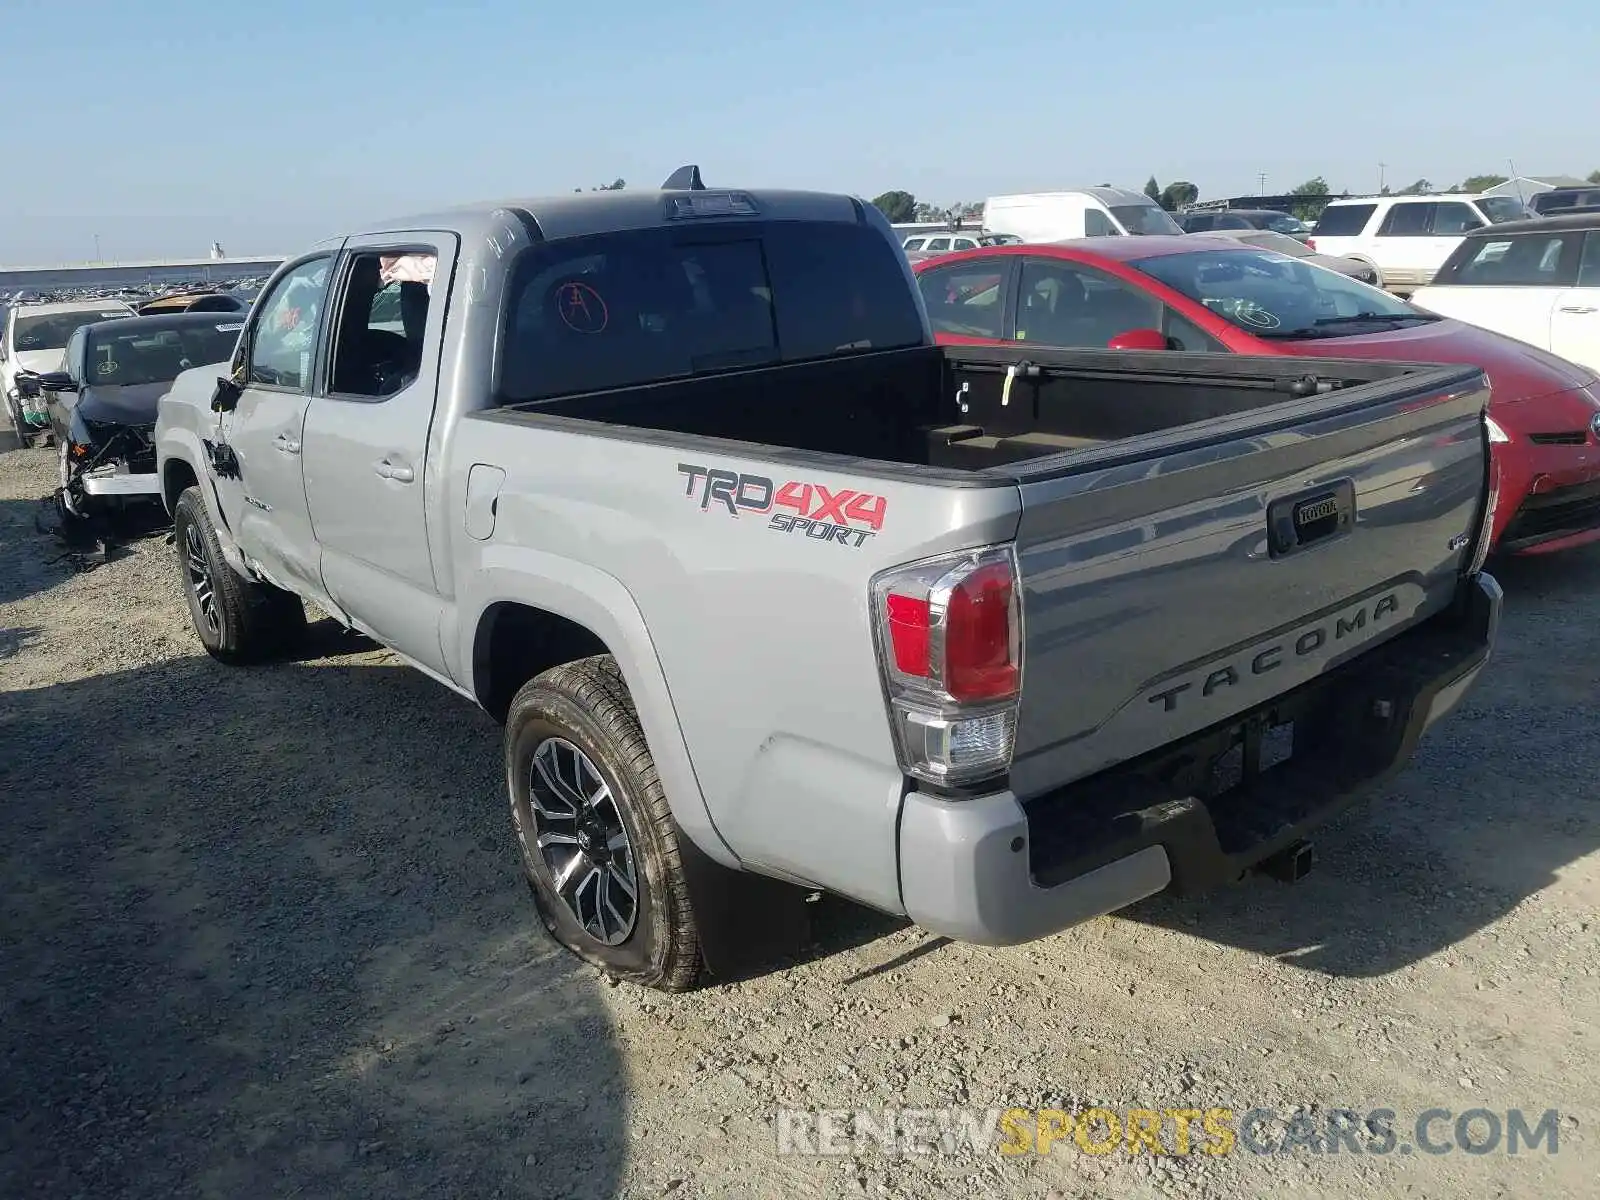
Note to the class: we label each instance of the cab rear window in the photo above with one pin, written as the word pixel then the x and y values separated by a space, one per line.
pixel 641 306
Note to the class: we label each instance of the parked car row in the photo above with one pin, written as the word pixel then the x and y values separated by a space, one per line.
pixel 1399 242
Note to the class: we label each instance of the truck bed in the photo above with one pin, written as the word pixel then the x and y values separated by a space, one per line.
pixel 1153 491
pixel 949 409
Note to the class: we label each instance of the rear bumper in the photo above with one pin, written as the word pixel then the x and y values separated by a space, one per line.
pixel 997 870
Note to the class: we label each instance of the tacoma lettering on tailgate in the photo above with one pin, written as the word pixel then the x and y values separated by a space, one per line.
pixel 815 510
pixel 1314 641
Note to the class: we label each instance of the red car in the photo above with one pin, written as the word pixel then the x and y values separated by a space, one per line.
pixel 1211 294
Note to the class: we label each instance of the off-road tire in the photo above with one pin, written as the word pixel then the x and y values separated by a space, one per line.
pixel 587 704
pixel 255 621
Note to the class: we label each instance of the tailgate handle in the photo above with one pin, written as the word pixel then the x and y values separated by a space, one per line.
pixel 1307 518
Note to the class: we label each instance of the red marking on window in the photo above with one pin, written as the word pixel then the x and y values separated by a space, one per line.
pixel 582 309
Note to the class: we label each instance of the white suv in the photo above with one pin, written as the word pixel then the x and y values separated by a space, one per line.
pixel 1405 239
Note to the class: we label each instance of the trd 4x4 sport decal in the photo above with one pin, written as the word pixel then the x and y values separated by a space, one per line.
pixel 813 509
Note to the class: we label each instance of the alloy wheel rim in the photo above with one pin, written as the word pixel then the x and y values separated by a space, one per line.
pixel 579 832
pixel 197 568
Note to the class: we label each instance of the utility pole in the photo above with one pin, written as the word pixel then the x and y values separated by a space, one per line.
pixel 97 257
pixel 1381 167
pixel 1261 183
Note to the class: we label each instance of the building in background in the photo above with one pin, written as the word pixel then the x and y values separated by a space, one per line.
pixel 1520 187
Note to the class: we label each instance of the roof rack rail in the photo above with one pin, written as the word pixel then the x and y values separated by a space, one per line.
pixel 684 179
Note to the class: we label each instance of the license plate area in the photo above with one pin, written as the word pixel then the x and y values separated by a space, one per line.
pixel 1261 744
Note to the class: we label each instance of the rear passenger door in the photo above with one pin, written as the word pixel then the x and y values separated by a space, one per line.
pixel 1404 245
pixel 1575 321
pixel 366 438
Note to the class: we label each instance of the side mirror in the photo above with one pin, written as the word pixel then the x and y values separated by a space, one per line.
pixel 1139 339
pixel 56 381
pixel 225 396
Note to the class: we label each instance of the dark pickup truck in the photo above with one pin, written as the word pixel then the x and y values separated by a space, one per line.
pixel 767 586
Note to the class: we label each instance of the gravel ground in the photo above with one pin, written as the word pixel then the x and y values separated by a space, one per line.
pixel 263 935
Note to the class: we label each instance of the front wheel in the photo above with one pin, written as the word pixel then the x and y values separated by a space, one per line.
pixel 598 842
pixel 237 619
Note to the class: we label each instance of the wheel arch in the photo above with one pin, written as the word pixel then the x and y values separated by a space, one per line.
pixel 531 611
pixel 177 474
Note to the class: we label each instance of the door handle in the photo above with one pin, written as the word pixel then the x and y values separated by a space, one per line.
pixel 286 443
pixel 1576 308
pixel 399 472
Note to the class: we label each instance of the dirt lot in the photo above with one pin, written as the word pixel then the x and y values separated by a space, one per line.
pixel 263 935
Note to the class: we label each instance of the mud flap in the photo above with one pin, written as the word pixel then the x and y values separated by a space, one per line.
pixel 747 922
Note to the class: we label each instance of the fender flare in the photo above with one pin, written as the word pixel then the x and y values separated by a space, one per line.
pixel 602 604
pixel 183 445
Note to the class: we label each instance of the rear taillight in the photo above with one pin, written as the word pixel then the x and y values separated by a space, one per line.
pixel 1493 436
pixel 1311 243
pixel 950 642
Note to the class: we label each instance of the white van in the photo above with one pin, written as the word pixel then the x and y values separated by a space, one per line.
pixel 1081 212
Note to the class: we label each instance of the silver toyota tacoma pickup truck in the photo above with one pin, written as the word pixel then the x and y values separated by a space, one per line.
pixel 775 596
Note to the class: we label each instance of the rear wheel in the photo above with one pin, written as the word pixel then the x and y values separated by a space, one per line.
pixel 237 619
pixel 598 842
pixel 1377 273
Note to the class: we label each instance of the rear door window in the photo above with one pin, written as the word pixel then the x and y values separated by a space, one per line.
pixel 1068 304
pixel 627 308
pixel 1406 220
pixel 1344 220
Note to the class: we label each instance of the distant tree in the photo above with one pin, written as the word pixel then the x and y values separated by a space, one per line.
pixel 1594 176
pixel 1153 189
pixel 1178 194
pixel 927 212
pixel 1420 188
pixel 1315 195
pixel 898 206
pixel 1479 183
pixel 615 185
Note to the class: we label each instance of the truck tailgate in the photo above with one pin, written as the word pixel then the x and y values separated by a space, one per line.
pixel 1175 580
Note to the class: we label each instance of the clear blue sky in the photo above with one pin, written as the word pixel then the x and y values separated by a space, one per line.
pixel 265 125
